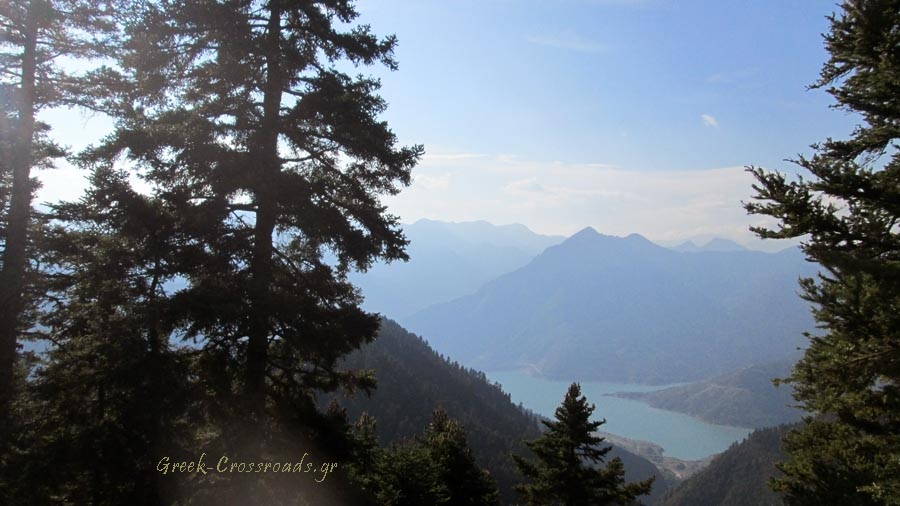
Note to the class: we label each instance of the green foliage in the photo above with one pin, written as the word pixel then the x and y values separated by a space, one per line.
pixel 414 380
pixel 568 454
pixel 831 463
pixel 848 213
pixel 257 158
pixel 34 37
pixel 237 116
pixel 435 468
pixel 466 483
pixel 112 395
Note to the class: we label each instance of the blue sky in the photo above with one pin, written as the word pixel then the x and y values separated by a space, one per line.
pixel 621 82
pixel 626 115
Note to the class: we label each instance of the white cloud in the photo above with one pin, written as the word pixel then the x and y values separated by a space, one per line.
pixel 709 120
pixel 525 187
pixel 568 40
pixel 561 198
pixel 551 195
pixel 554 197
pixel 432 182
pixel 449 156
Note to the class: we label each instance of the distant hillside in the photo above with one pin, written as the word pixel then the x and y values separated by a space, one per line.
pixel 623 309
pixel 737 477
pixel 447 260
pixel 413 380
pixel 719 244
pixel 687 247
pixel 745 398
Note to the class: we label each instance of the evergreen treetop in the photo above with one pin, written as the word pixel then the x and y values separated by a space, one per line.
pixel 848 214
pixel 568 471
pixel 237 114
pixel 436 468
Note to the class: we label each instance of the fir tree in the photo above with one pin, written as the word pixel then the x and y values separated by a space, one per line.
pixel 237 115
pixel 436 468
pixel 847 213
pixel 112 397
pixel 466 484
pixel 567 470
pixel 407 477
pixel 34 36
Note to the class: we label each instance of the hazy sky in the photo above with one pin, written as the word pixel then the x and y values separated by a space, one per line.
pixel 626 115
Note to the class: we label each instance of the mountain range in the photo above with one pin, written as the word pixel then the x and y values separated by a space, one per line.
pixel 446 261
pixel 623 309
pixel 714 244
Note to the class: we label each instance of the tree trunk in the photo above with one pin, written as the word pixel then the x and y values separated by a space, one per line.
pixel 13 274
pixel 266 214
pixel 158 341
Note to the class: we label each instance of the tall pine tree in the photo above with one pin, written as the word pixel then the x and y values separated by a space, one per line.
pixel 847 211
pixel 35 35
pixel 238 115
pixel 567 471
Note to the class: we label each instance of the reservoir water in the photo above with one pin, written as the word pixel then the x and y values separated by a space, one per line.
pixel 682 436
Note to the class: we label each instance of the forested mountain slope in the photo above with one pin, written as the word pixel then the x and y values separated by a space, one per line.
pixel 737 477
pixel 744 398
pixel 413 380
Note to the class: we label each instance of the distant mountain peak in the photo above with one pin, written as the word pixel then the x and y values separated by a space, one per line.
pixel 688 246
pixel 637 238
pixel 447 260
pixel 716 244
pixel 586 232
pixel 663 316
pixel 482 225
pixel 720 244
pixel 590 233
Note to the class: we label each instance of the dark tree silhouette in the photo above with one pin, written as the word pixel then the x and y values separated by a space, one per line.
pixel 847 213
pixel 35 35
pixel 567 470
pixel 237 117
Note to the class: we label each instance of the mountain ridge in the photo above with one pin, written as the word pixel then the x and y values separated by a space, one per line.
pixel 447 260
pixel 627 299
pixel 719 244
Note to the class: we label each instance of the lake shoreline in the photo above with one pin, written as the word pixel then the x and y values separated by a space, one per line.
pixel 678 469
pixel 636 396
pixel 683 437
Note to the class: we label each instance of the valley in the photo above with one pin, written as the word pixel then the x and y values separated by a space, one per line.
pixel 673 401
pixel 585 253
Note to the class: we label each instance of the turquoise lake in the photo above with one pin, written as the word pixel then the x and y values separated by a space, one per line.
pixel 682 436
